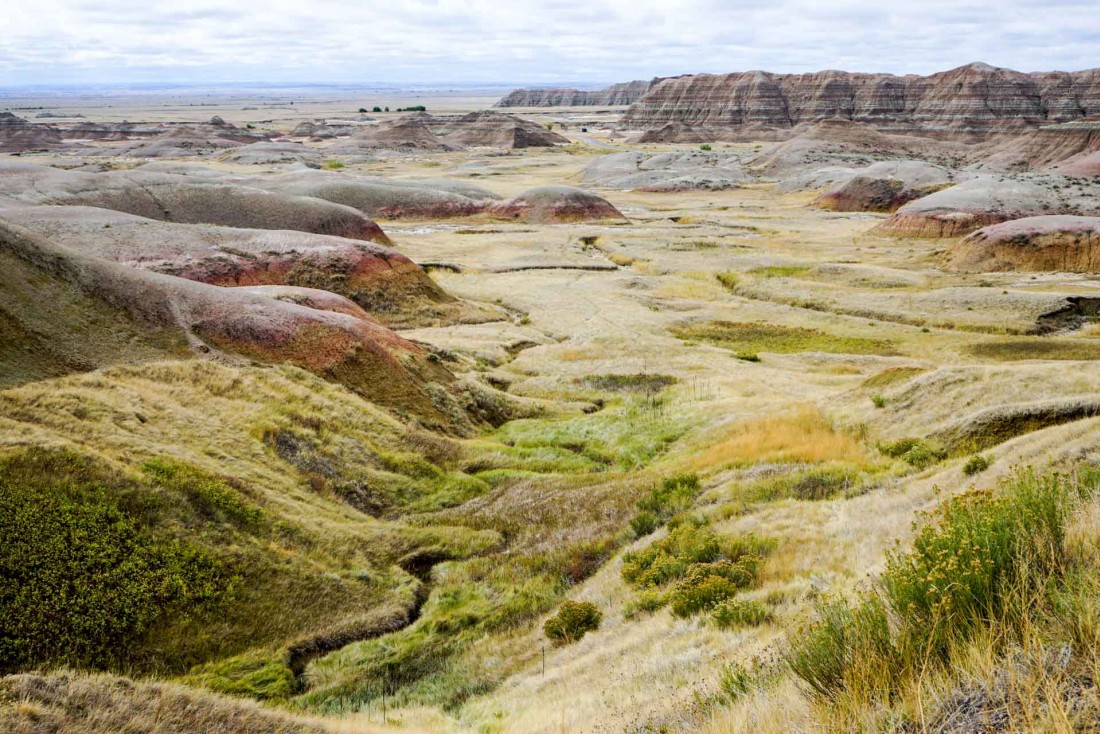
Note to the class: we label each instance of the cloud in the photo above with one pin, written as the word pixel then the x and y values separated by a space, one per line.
pixel 539 41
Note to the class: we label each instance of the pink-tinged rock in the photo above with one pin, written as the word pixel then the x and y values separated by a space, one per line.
pixel 1067 244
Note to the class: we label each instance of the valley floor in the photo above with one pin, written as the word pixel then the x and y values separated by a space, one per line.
pixel 781 354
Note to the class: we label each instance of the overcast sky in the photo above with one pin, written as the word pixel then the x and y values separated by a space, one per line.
pixel 529 41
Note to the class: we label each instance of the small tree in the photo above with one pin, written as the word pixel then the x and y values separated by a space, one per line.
pixel 377 109
pixel 362 110
pixel 573 620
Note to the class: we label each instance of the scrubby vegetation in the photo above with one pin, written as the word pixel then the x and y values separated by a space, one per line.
pixel 573 620
pixel 87 573
pixel 674 495
pixel 916 452
pixel 641 382
pixel 693 569
pixel 976 464
pixel 989 573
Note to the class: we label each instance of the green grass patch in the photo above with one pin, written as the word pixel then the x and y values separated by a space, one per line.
pixel 916 452
pixel 1011 350
pixel 976 464
pixel 812 483
pixel 779 271
pixel 626 436
pixel 760 336
pixel 262 675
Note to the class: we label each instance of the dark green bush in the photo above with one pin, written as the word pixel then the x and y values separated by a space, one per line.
pixel 914 451
pixel 573 620
pixel 644 523
pixel 675 494
pixel 976 464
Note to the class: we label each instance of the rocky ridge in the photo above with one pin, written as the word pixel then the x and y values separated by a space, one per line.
pixel 975 99
pixel 624 93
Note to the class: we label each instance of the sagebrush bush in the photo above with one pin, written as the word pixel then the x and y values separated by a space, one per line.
pixel 739 613
pixel 989 563
pixel 700 592
pixel 707 568
pixel 573 621
pixel 914 451
pixel 644 523
pixel 734 682
pixel 976 464
pixel 824 654
pixel 975 558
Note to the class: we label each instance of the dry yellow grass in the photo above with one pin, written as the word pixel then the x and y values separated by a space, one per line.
pixel 646 672
pixel 801 435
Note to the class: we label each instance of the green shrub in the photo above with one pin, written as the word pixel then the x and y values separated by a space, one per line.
pixel 989 548
pixel 706 584
pixel 705 147
pixel 674 495
pixel 824 653
pixel 976 464
pixel 739 613
pixel 644 523
pixel 647 600
pixel 668 559
pixel 708 568
pixel 879 401
pixel 334 165
pixel 376 109
pixel 985 562
pixel 573 620
pixel 699 591
pixel 914 451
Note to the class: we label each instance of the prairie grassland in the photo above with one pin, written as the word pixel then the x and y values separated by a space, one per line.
pixel 860 343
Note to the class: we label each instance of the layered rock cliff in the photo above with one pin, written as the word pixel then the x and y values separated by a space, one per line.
pixel 976 98
pixel 617 94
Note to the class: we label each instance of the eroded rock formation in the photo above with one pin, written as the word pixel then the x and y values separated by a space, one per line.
pixel 1066 244
pixel 972 99
pixel 624 93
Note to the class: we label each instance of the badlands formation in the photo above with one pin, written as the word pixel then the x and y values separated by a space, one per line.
pixel 721 403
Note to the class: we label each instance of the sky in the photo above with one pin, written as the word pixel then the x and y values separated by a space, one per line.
pixel 537 42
